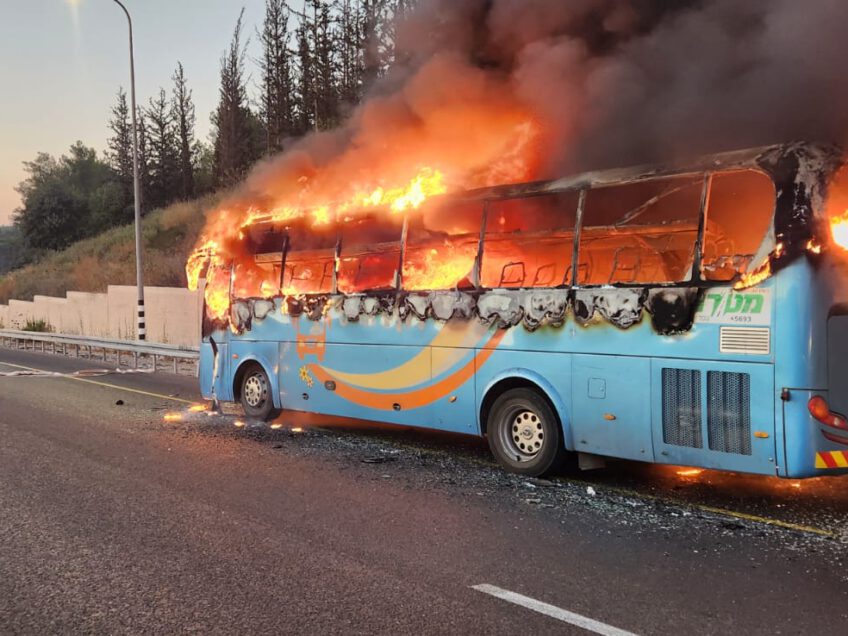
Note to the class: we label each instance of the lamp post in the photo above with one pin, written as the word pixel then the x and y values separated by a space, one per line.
pixel 139 271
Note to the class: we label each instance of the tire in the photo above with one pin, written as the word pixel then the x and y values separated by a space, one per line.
pixel 256 394
pixel 524 433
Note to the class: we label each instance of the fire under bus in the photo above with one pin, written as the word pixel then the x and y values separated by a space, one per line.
pixel 692 315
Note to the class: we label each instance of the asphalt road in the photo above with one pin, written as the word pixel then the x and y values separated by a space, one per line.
pixel 116 519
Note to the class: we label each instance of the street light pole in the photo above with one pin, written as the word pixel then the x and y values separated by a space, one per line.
pixel 139 271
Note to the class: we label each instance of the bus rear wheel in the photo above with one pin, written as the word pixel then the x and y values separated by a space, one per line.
pixel 524 433
pixel 255 394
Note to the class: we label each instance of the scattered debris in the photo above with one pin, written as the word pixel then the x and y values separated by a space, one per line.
pixel 591 491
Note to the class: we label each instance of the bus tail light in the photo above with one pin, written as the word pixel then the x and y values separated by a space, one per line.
pixel 820 410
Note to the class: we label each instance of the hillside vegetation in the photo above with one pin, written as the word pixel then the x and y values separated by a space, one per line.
pixel 109 258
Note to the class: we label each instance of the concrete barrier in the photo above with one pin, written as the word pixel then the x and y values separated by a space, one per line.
pixel 20 312
pixel 173 314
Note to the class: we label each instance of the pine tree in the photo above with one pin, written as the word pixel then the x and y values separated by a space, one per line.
pixel 120 150
pixel 183 117
pixel 277 84
pixel 163 151
pixel 351 69
pixel 237 131
pixel 144 177
pixel 325 66
pixel 306 98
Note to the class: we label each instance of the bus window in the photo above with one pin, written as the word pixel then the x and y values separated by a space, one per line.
pixel 310 260
pixel 640 233
pixel 441 245
pixel 370 254
pixel 738 218
pixel 529 241
pixel 257 273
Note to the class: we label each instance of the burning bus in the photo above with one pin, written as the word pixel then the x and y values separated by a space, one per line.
pixel 692 314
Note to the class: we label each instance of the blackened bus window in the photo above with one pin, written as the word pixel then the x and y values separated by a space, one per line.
pixel 529 241
pixel 310 259
pixel 256 271
pixel 639 233
pixel 741 207
pixel 370 253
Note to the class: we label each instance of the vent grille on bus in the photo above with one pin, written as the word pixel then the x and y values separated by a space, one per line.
pixel 729 412
pixel 682 407
pixel 748 340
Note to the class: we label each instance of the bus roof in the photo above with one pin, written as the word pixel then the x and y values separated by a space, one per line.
pixel 811 159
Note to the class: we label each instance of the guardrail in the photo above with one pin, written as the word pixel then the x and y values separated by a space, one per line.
pixel 89 344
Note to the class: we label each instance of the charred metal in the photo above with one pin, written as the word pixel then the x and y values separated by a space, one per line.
pixel 671 309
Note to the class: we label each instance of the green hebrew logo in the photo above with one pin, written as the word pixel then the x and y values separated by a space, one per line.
pixel 732 303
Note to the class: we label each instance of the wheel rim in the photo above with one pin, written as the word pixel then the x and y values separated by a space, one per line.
pixel 522 433
pixel 255 390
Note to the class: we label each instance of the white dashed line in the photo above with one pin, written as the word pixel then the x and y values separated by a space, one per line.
pixel 553 611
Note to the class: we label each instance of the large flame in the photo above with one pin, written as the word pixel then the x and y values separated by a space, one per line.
pixel 326 199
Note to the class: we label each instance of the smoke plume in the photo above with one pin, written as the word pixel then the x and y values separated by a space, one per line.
pixel 493 91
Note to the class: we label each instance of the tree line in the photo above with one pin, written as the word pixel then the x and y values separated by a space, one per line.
pixel 314 65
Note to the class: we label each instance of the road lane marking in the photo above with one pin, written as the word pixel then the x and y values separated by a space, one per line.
pixel 584 622
pixel 104 384
pixel 767 520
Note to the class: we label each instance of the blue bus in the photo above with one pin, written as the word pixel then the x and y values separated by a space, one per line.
pixel 692 314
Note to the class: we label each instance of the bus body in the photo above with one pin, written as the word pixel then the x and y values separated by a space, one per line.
pixel 691 315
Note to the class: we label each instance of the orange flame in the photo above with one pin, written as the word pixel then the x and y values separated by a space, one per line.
pixel 439 268
pixel 756 277
pixel 839 230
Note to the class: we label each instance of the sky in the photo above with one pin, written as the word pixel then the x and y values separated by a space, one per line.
pixel 62 61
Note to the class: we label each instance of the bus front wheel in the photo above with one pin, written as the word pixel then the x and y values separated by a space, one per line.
pixel 255 394
pixel 524 433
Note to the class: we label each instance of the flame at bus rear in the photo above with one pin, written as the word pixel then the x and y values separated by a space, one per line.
pixel 839 230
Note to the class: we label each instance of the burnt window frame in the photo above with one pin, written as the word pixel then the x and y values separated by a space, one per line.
pixel 696 279
pixel 334 273
pixel 398 270
pixel 481 250
pixel 695 276
pixel 474 277
pixel 761 253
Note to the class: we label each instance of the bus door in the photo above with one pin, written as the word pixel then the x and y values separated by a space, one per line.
pixel 714 414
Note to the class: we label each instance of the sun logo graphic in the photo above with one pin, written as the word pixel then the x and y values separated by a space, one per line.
pixel 306 376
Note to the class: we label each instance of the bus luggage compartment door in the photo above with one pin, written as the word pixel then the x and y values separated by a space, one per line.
pixel 715 415
pixel 612 409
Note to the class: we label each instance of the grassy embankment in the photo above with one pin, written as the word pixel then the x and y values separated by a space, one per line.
pixel 109 258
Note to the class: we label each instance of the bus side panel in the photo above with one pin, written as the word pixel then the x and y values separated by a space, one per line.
pixel 384 383
pixel 455 410
pixel 612 416
pixel 714 414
